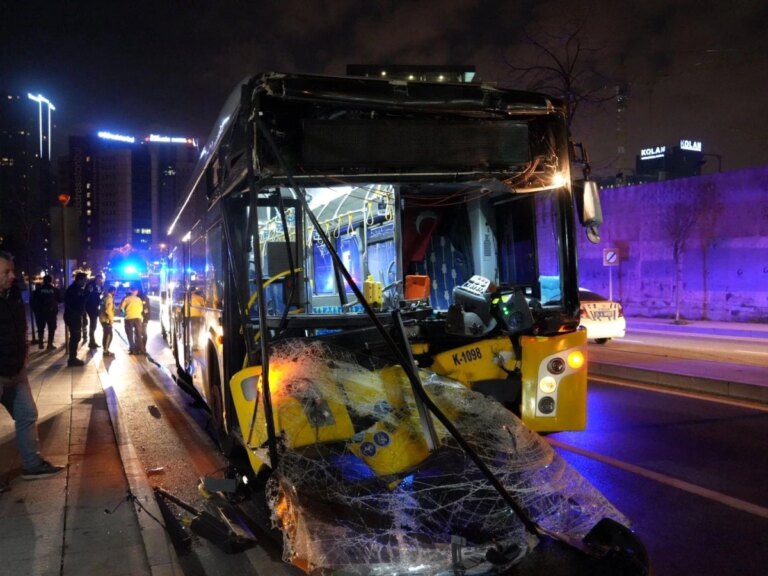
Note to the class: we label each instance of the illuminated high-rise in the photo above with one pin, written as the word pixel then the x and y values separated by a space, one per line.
pixel 26 179
pixel 125 189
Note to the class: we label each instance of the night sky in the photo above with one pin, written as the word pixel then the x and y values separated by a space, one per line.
pixel 695 69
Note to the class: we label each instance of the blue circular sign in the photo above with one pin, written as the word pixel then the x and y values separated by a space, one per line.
pixel 382 439
pixel 367 449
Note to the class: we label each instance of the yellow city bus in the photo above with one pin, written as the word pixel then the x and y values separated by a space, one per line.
pixel 373 288
pixel 321 205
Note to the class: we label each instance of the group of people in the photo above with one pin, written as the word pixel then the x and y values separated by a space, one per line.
pixel 87 302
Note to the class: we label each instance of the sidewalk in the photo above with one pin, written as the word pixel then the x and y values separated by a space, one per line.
pixel 79 522
pixel 724 379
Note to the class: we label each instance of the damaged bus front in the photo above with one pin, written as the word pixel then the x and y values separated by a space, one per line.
pixel 376 295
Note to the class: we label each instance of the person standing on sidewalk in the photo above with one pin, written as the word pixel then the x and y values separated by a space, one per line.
pixel 15 393
pixel 74 309
pixel 107 317
pixel 46 307
pixel 132 307
pixel 93 291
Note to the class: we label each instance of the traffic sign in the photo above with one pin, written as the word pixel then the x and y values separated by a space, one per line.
pixel 610 257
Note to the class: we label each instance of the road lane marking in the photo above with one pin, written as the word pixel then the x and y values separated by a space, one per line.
pixel 661 389
pixel 719 497
pixel 752 352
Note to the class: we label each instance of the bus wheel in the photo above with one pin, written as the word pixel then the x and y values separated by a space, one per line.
pixel 220 434
pixel 601 340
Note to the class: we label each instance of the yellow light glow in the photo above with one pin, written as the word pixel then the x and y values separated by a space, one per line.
pixel 576 359
pixel 558 180
pixel 547 384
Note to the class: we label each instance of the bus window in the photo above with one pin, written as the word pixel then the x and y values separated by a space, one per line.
pixel 382 264
pixel 381 253
pixel 547 248
pixel 324 281
pixel 348 247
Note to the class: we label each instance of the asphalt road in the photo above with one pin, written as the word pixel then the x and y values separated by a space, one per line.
pixel 688 472
pixel 171 436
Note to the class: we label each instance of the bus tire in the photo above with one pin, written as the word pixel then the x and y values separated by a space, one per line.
pixel 218 425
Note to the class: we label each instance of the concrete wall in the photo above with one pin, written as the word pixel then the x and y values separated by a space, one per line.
pixel 719 223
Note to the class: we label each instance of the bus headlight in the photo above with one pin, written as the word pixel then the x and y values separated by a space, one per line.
pixel 547 405
pixel 547 384
pixel 556 366
pixel 576 359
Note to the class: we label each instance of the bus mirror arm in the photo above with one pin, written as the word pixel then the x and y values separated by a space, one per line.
pixel 589 208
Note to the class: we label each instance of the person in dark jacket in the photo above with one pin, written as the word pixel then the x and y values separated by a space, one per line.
pixel 15 393
pixel 45 305
pixel 74 308
pixel 145 314
pixel 93 291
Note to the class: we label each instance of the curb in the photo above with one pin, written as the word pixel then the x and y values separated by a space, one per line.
pixel 161 555
pixel 722 387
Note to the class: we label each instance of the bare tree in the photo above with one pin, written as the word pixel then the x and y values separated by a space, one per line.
pixel 708 210
pixel 563 68
pixel 679 225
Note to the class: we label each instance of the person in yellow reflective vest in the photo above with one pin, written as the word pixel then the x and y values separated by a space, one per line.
pixel 133 307
pixel 106 317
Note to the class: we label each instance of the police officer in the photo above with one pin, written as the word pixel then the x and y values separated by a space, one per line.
pixel 74 309
pixel 93 291
pixel 46 302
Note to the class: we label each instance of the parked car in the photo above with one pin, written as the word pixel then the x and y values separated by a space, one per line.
pixel 603 318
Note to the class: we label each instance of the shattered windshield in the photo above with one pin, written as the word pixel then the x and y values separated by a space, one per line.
pixel 357 488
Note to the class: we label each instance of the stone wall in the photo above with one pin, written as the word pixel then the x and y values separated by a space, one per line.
pixel 718 224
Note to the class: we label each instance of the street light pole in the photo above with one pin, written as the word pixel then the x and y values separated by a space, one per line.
pixel 40 101
pixel 64 200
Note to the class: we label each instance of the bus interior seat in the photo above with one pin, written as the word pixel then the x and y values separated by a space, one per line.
pixel 446 267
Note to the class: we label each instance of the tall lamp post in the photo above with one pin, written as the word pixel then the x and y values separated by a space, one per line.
pixel 64 200
pixel 40 101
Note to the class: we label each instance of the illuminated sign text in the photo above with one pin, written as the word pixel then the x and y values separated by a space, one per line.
pixel 116 137
pixel 692 145
pixel 650 153
pixel 171 139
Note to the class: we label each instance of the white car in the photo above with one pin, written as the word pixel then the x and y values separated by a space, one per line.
pixel 602 318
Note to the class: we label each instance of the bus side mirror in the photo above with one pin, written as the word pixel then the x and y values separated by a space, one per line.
pixel 589 208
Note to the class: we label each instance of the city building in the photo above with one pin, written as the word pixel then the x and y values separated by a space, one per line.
pixel 662 162
pixel 26 178
pixel 125 189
